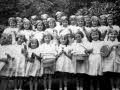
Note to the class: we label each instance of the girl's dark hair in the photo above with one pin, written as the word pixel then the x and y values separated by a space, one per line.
pixel 79 32
pixel 29 45
pixel 91 34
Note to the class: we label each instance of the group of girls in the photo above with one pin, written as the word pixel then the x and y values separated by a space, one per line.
pixel 40 47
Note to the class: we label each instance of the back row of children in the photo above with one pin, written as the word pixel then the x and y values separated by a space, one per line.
pixel 80 45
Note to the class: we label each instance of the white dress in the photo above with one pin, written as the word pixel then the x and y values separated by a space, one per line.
pixel 27 33
pixel 95 59
pixel 80 66
pixel 39 36
pixel 64 63
pixel 19 60
pixel 7 69
pixel 110 63
pixel 34 68
pixel 48 54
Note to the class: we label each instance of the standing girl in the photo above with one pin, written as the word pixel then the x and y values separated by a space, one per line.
pixel 111 25
pixel 48 55
pixel 79 59
pixel 26 28
pixel 111 61
pixel 64 64
pixel 103 26
pixel 34 64
pixel 40 28
pixel 95 58
pixel 53 30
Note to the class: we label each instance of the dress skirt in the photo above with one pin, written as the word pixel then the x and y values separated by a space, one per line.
pixel 33 69
pixel 95 65
pixel 64 64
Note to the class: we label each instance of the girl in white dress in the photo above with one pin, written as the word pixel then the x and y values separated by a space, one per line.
pixel 64 63
pixel 40 28
pixel 95 57
pixel 103 26
pixel 87 28
pixel 11 30
pixel 34 68
pixel 64 25
pixel 111 62
pixel 111 25
pixel 26 29
pixel 20 55
pixel 44 18
pixel 19 21
pixel 6 62
pixel 73 23
pixel 79 49
pixel 59 14
pixel 48 55
pixel 33 20
pixel 81 27
pixel 53 30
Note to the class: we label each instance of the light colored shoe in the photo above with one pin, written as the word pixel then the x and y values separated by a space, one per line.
pixel 81 88
pixel 78 88
pixel 65 88
pixel 60 88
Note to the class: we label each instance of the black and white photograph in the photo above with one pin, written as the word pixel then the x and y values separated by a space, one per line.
pixel 59 44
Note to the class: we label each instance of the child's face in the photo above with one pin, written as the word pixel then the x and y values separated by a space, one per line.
pixel 47 39
pixel 95 23
pixel 78 38
pixel 52 24
pixel 26 25
pixel 65 23
pixel 63 40
pixel 110 21
pixel 34 44
pixel 95 36
pixel 12 24
pixel 103 21
pixel 40 26
pixel 81 23
pixel 19 24
pixel 58 18
pixel 20 40
pixel 88 22
pixel 73 22
pixel 112 36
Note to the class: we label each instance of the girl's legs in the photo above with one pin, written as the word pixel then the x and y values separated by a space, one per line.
pixel 45 82
pixel 65 81
pixel 31 83
pixel 49 82
pixel 35 83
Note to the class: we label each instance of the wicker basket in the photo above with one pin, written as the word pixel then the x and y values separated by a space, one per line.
pixel 80 57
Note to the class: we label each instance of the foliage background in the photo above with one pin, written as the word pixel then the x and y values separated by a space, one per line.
pixel 26 8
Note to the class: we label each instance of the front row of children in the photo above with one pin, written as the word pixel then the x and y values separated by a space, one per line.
pixel 36 59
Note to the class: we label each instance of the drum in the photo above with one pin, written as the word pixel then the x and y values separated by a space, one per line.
pixel 105 51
